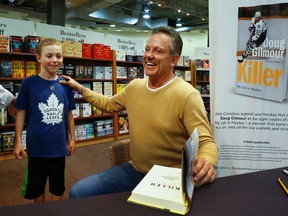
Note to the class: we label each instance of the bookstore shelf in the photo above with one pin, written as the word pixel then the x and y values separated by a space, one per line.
pixel 120 125
pixel 201 81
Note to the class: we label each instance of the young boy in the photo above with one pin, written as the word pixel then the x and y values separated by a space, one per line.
pixel 45 107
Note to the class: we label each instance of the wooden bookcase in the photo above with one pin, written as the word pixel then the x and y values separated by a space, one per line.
pixel 8 56
pixel 201 81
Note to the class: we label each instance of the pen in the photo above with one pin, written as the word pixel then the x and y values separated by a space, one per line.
pixel 283 186
pixel 285 171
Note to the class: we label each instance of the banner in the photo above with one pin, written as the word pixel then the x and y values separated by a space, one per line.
pixel 69 34
pixel 16 27
pixel 248 61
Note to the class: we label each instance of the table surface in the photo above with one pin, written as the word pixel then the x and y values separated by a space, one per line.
pixel 257 193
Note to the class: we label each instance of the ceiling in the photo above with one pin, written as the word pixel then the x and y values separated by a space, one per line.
pixel 125 14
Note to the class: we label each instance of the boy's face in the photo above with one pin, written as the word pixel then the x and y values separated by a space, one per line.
pixel 51 58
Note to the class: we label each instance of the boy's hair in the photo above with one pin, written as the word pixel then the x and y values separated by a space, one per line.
pixel 47 42
pixel 177 43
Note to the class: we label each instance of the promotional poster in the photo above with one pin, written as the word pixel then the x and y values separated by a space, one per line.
pixel 248 64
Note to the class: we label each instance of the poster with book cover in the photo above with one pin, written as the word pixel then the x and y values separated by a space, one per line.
pixel 261 52
pixel 248 84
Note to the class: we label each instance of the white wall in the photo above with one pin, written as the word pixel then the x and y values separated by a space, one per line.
pixel 190 39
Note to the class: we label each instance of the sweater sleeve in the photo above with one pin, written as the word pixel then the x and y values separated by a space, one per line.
pixel 196 118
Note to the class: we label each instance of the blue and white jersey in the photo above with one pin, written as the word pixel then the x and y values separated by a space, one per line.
pixel 47 103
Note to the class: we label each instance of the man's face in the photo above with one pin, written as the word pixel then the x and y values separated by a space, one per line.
pixel 257 19
pixel 157 59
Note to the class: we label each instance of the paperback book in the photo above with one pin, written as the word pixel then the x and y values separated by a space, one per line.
pixel 168 188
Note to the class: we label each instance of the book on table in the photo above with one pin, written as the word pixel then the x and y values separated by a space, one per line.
pixel 168 188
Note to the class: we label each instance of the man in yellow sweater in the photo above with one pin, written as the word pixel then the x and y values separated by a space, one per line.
pixel 163 111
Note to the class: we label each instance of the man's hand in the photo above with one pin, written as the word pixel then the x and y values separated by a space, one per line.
pixel 72 83
pixel 203 172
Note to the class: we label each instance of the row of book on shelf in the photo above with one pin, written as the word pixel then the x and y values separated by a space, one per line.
pixel 204 89
pixel 29 43
pixel 98 128
pixel 202 76
pixel 23 69
pixel 202 63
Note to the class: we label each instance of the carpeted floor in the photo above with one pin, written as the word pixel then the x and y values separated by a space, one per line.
pixel 86 161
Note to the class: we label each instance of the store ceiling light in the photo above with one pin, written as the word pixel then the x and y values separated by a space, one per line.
pixel 146 14
pixel 178 22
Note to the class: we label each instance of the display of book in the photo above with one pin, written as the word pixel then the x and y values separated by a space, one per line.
pixel 168 188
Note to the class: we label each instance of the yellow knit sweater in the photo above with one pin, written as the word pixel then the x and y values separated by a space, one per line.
pixel 160 121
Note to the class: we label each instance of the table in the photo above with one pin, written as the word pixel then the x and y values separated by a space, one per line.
pixel 254 194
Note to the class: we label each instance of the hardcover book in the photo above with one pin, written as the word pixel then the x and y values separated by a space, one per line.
pixel 4 43
pixel 87 50
pixel 168 188
pixel 79 71
pixel 7 139
pixel 3 116
pixel 31 68
pixel 16 43
pixel 31 43
pixel 6 69
pixel 18 69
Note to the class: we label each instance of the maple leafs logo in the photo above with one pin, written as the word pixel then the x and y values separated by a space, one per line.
pixel 52 111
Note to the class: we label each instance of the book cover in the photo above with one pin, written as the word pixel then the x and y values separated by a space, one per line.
pixel 6 69
pixel 107 72
pixel 107 52
pixel 261 52
pixel 97 50
pixel 87 50
pixel 168 188
pixel 7 140
pixel 88 72
pixel 131 72
pixel 31 68
pixel 79 71
pixel 31 43
pixel 121 72
pixel 18 69
pixel 98 87
pixel 98 72
pixel 86 109
pixel 205 63
pixel 69 69
pixel 89 131
pixel 120 55
pixel 4 43
pixel 3 116
pixel 77 49
pixel 109 128
pixel 123 124
pixel 108 88
pixel 76 112
pixel 99 128
pixel 16 43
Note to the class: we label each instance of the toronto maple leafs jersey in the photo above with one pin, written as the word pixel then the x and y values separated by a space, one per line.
pixel 259 26
pixel 47 104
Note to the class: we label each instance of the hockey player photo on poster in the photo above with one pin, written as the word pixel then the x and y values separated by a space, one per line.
pixel 261 52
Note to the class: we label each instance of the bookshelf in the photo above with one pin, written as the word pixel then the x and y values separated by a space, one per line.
pixel 119 120
pixel 201 76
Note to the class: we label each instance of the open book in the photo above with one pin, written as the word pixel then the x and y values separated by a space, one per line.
pixel 169 188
